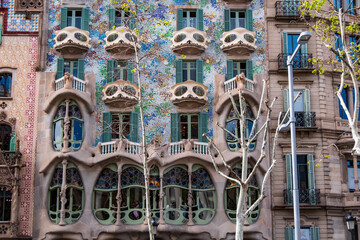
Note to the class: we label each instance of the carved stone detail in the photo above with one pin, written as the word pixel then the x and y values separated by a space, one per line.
pixel 189 41
pixel 120 40
pixel 72 40
pixel 238 41
pixel 189 94
pixel 120 94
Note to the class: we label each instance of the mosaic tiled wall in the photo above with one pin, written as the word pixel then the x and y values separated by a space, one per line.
pixel 159 75
pixel 21 53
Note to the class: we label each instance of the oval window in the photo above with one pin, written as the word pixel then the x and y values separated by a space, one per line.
pixel 81 37
pixel 198 91
pixel 130 37
pixel 112 37
pixel 249 38
pixel 180 37
pixel 129 90
pixel 230 38
pixel 180 91
pixel 111 90
pixel 198 37
pixel 61 37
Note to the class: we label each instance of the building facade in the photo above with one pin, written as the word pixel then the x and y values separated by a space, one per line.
pixel 19 55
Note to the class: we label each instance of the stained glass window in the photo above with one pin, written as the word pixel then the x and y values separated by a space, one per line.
pixel 74 194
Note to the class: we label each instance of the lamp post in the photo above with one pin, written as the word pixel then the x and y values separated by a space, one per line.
pixel 303 39
pixel 350 224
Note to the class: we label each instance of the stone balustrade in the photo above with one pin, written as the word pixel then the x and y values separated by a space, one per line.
pixel 239 82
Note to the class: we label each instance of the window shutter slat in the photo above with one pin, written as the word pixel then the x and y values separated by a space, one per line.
pixel 134 126
pixel 342 113
pixel 289 233
pixel 132 23
pixel 229 69
pixel 289 184
pixel 60 68
pixel 286 99
pixel 13 141
pixel 249 69
pixel 249 19
pixel 307 108
pixel 81 67
pixel 179 19
pixel 85 19
pixel 202 126
pixel 179 71
pixel 110 70
pixel 303 58
pixel 175 127
pixel 199 71
pixel 311 179
pixel 227 19
pixel 106 127
pixel 200 19
pixel 63 23
pixel 314 233
pixel 112 13
pixel 130 75
pixel 285 44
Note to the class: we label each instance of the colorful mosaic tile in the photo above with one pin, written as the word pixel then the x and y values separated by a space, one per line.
pixel 16 22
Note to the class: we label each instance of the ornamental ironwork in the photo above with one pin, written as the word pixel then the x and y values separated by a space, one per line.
pixel 301 61
pixel 303 119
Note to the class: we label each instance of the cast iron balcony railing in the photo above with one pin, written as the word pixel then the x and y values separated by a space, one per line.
pixel 303 119
pixel 300 61
pixel 287 9
pixel 309 196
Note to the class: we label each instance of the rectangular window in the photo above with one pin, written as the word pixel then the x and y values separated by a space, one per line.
pixel 337 4
pixel 302 171
pixel 5 84
pixel 120 126
pixel 189 18
pixel 351 175
pixel 306 233
pixel 122 18
pixel 5 204
pixel 74 18
pixel 189 126
pixel 71 67
pixel 120 70
pixel 344 95
pixel 350 5
pixel 239 67
pixel 237 19
pixel 189 70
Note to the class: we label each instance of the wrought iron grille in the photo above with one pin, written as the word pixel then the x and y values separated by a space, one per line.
pixel 287 8
pixel 309 196
pixel 300 61
pixel 302 119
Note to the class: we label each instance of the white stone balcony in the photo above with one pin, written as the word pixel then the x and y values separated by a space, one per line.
pixel 120 40
pixel 239 82
pixel 72 40
pixel 188 145
pixel 70 82
pixel 120 94
pixel 189 94
pixel 189 41
pixel 120 145
pixel 238 41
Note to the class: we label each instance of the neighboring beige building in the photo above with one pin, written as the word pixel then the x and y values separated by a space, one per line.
pixel 328 172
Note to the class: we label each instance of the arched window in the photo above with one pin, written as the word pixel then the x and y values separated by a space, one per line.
pixel 75 127
pixel 5 203
pixel 5 84
pixel 232 191
pixel 176 188
pixel 204 197
pixel 104 197
pixel 5 137
pixel 74 194
pixel 233 126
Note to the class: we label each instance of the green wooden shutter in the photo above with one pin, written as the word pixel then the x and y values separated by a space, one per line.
pixel 227 19
pixel 179 71
pixel 132 22
pixel 289 233
pixel 175 127
pixel 311 179
pixel 110 70
pixel 134 127
pixel 249 19
pixel 13 142
pixel 202 126
pixel 307 108
pixel 130 75
pixel 304 60
pixel 229 69
pixel 314 233
pixel 289 183
pixel 249 69
pixel 179 19
pixel 199 71
pixel 106 127
pixel 200 19
pixel 60 68
pixel 286 99
pixel 85 19
pixel 0 32
pixel 112 13
pixel 63 23
pixel 285 44
pixel 81 69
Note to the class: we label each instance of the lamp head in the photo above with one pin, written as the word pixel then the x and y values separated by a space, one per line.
pixel 304 38
pixel 350 222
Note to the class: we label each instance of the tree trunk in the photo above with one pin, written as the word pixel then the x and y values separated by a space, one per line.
pixel 240 220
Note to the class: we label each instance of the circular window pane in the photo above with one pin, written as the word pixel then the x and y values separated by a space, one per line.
pixel 198 91
pixel 198 37
pixel 112 37
pixel 102 215
pixel 61 37
pixel 249 38
pixel 230 38
pixel 130 37
pixel 180 37
pixel 180 91
pixel 129 90
pixel 80 37
pixel 111 90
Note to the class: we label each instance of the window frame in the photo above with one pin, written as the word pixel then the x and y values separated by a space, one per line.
pixel 8 88
pixel 73 18
pixel 121 72
pixel 5 195
pixel 121 127
pixel 237 19
pixel 188 124
pixel 72 66
pixel 190 70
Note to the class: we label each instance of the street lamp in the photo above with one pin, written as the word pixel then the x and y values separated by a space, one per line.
pixel 350 224
pixel 303 39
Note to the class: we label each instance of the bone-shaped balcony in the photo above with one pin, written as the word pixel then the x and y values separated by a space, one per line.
pixel 189 94
pixel 120 40
pixel 120 94
pixel 238 41
pixel 189 41
pixel 72 40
